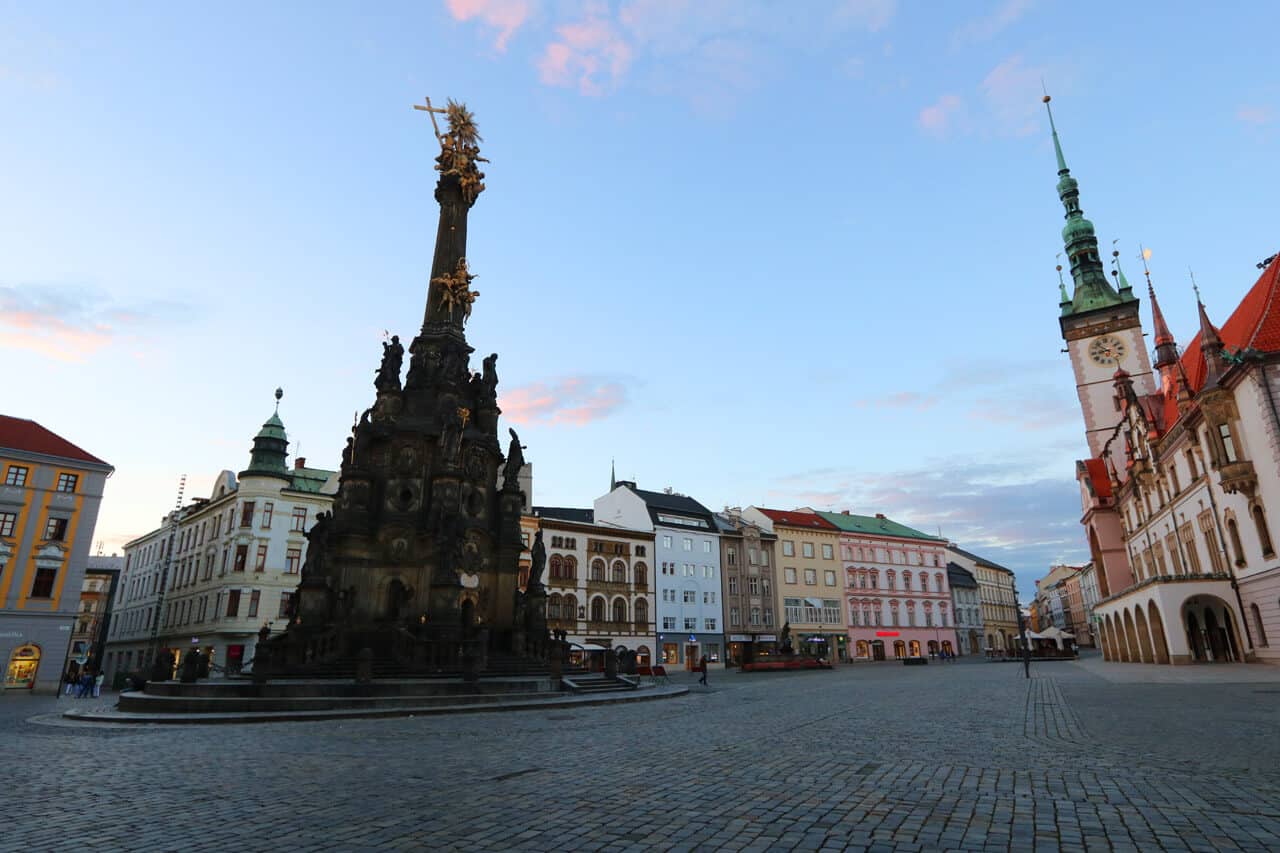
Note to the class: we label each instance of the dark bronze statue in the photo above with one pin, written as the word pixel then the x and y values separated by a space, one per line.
pixel 388 378
pixel 538 562
pixel 317 541
pixel 515 461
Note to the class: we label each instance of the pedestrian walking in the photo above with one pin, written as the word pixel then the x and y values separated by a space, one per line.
pixel 86 685
pixel 97 684
pixel 702 667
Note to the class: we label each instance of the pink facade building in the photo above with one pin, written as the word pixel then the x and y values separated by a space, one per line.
pixel 896 589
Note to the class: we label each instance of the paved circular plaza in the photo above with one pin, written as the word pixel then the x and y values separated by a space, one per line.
pixel 965 756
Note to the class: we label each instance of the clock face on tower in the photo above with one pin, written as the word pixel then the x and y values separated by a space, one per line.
pixel 1106 350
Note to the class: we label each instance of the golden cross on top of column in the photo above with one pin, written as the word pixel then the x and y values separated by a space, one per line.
pixel 431 111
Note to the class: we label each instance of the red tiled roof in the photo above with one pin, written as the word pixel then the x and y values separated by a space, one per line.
pixel 1098 477
pixel 22 434
pixel 1254 324
pixel 795 518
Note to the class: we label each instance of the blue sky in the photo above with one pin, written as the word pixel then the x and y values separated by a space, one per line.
pixel 763 253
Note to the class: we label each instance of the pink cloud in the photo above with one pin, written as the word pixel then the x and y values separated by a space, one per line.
pixel 590 55
pixel 901 400
pixel 874 15
pixel 1254 115
pixel 506 16
pixel 63 323
pixel 939 117
pixel 989 26
pixel 572 400
pixel 1012 92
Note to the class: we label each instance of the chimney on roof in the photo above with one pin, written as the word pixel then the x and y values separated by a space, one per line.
pixel 630 484
pixel 844 512
pixel 668 491
pixel 880 515
pixel 299 462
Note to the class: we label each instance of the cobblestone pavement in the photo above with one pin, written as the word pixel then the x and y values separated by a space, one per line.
pixel 966 756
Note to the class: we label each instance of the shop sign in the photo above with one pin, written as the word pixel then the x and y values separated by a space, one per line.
pixel 10 635
pixel 887 634
pixel 739 638
pixel 767 638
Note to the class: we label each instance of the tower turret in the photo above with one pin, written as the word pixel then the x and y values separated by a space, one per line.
pixel 1166 346
pixel 1210 347
pixel 270 448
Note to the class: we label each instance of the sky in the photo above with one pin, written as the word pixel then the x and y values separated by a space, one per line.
pixel 778 254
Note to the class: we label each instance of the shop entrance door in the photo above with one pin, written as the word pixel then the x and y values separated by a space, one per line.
pixel 691 656
pixel 877 650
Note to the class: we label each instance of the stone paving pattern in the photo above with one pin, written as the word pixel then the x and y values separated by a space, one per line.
pixel 966 756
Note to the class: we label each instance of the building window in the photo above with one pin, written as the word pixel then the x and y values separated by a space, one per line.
pixel 731 556
pixel 597 569
pixel 687 544
pixel 55 529
pixel 42 586
pixel 788 548
pixel 811 577
pixel 619 610
pixel 233 604
pixel 764 558
pixel 1228 446
pixel 640 551
pixel 666 543
pixel 668 623
pixel 755 615
pixel 706 546
pixel 768 617
pixel 690 596
pixel 690 623
pixel 299 520
pixel 619 571
pixel 67 482
pixel 292 561
pixel 268 509
pixel 246 514
pixel 806 548
pixel 829 577
pixel 789 575
pixel 708 624
pixel 641 572
pixel 8 520
pixel 1264 535
pixel 242 557
pixel 827 552
pixel 732 581
pixel 286 599
pixel 1233 533
pixel 733 617
pixel 16 476
pixel 260 565
pixel 753 586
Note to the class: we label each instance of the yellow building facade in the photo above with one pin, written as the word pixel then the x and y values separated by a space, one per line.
pixel 50 491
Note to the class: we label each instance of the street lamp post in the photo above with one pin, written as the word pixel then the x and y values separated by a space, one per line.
pixel 1022 632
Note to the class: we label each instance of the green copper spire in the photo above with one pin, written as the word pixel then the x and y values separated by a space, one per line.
pixel 1092 290
pixel 270 448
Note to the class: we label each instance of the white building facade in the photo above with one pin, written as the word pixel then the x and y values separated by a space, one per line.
pixel 219 570
pixel 686 558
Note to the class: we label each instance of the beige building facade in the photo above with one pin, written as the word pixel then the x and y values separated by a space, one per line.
pixel 997 590
pixel 600 584
pixel 810 587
